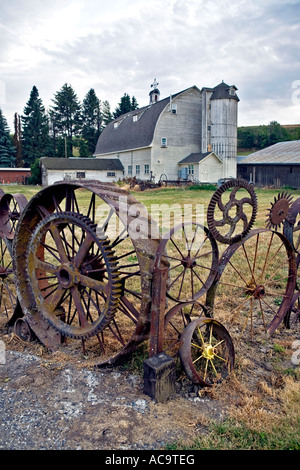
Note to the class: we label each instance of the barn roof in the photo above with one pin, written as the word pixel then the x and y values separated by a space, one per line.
pixel 281 153
pixel 81 163
pixel 125 134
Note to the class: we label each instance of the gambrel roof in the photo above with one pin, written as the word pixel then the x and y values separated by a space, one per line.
pixel 127 133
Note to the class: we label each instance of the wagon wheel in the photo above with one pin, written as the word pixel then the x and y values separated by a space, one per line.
pixel 255 282
pixel 11 208
pixel 191 254
pixel 176 320
pixel 8 294
pixel 292 316
pixel 118 216
pixel 231 214
pixel 206 352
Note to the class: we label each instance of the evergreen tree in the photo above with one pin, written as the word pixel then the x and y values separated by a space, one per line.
pixel 7 149
pixel 134 103
pixel 65 115
pixel 36 141
pixel 91 121
pixel 106 113
pixel 123 107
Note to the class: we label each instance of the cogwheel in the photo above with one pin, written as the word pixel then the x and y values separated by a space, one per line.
pixel 229 221
pixel 73 275
pixel 279 210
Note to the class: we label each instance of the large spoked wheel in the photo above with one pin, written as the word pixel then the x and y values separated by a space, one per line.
pixel 11 208
pixel 8 294
pixel 125 226
pixel 191 255
pixel 255 283
pixel 206 352
pixel 73 275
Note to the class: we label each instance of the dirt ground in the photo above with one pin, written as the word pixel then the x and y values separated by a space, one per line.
pixel 53 403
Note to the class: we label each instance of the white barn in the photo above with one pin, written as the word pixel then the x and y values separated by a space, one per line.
pixel 59 169
pixel 189 135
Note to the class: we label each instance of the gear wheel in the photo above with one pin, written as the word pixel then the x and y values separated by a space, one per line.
pixel 279 210
pixel 237 214
pixel 73 275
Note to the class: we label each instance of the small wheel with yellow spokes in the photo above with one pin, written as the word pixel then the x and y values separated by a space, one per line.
pixel 206 351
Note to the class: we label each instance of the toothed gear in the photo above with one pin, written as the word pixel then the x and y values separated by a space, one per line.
pixel 233 203
pixel 279 210
pixel 73 274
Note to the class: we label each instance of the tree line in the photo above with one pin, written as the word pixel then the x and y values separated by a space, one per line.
pixel 259 137
pixel 68 124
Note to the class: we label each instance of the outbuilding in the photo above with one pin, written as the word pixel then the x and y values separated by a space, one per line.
pixel 277 165
pixel 59 169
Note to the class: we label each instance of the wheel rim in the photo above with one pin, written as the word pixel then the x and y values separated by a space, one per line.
pixel 176 320
pixel 255 282
pixel 206 351
pixel 8 295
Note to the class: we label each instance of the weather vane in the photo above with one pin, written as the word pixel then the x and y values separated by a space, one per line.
pixel 154 84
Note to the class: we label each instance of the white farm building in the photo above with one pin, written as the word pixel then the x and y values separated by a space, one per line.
pixel 189 135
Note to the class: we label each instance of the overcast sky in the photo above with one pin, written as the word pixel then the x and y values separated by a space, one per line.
pixel 120 46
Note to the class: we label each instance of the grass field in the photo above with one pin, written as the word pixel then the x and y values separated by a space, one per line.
pixel 264 412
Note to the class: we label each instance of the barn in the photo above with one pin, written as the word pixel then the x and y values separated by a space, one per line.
pixel 177 137
pixel 14 175
pixel 277 165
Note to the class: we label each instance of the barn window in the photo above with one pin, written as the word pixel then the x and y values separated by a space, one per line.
pixel 147 169
pixel 130 169
pixel 80 174
pixel 191 169
pixel 111 173
pixel 137 169
pixel 163 141
pixel 174 109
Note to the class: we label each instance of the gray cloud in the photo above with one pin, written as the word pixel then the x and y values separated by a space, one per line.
pixel 121 47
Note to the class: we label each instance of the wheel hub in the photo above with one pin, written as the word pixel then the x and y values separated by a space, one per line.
pixel 208 351
pixel 256 291
pixel 188 262
pixel 67 275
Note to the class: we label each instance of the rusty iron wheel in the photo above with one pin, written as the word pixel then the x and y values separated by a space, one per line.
pixel 191 254
pixel 8 294
pixel 255 282
pixel 119 215
pixel 279 210
pixel 11 208
pixel 206 352
pixel 73 275
pixel 176 320
pixel 232 211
